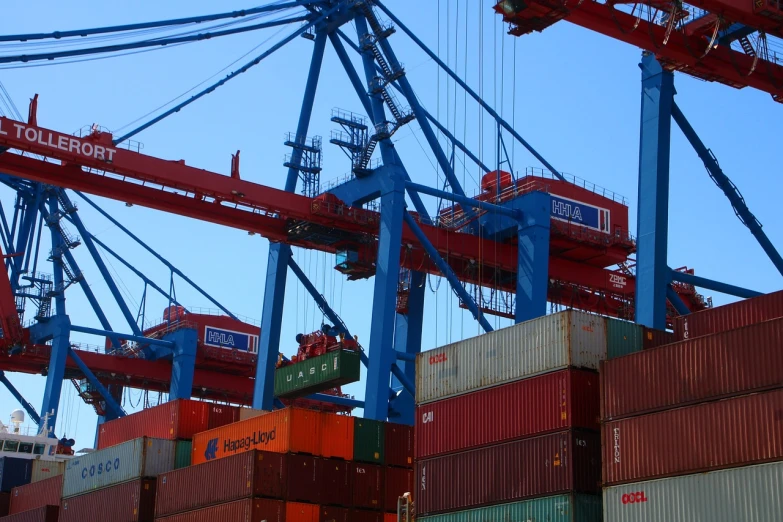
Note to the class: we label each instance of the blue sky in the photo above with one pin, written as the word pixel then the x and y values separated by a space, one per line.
pixel 574 95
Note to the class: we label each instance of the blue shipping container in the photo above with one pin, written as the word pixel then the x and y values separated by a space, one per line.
pixel 14 472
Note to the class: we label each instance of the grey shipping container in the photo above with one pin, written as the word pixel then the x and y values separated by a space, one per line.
pixel 546 344
pixel 14 472
pixel 44 469
pixel 748 494
pixel 137 458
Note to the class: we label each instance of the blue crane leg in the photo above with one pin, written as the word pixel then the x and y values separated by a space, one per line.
pixel 183 362
pixel 533 257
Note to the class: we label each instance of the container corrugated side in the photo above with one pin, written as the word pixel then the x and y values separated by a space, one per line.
pixel 747 494
pixel 336 514
pixel 254 473
pixel 545 403
pixel 46 513
pixel 293 430
pixel 5 501
pixel 143 457
pixel 337 436
pixel 301 512
pixel 335 482
pixel 622 338
pixel 178 419
pixel 399 445
pixel 367 486
pixel 549 343
pixel 730 316
pixel 36 494
pixel 714 435
pixel 249 413
pixel 708 367
pixel 14 472
pixel 46 469
pixel 318 373
pixel 303 483
pixel 654 338
pixel 562 462
pixel 132 501
pixel 397 482
pixel 560 508
pixel 363 515
pixel 220 415
pixel 249 510
pixel 182 452
pixel 369 441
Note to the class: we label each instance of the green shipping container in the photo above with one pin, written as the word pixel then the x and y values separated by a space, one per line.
pixel 562 508
pixel 622 338
pixel 317 374
pixel 368 441
pixel 182 451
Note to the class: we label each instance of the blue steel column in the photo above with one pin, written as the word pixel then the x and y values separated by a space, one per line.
pixel 533 257
pixel 61 340
pixel 279 255
pixel 384 304
pixel 652 271
pixel 183 362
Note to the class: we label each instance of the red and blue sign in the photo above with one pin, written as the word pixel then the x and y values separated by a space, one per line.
pixel 580 213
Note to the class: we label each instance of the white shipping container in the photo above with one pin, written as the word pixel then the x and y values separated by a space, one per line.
pixel 44 469
pixel 137 458
pixel 534 347
pixel 748 494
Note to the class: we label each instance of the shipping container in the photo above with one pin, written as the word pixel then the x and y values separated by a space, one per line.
pixel 399 447
pixel 335 482
pixel 300 512
pixel 747 494
pixel 221 414
pixel 142 457
pixel 546 344
pixel 132 501
pixel 389 517
pixel 704 437
pixel 655 338
pixel 363 515
pixel 5 502
pixel 250 474
pixel 730 316
pixel 249 413
pixel 708 367
pixel 178 419
pixel 317 374
pixel 45 469
pixel 560 508
pixel 398 481
pixel 562 462
pixel 182 451
pixel 292 430
pixel 369 441
pixel 622 338
pixel 46 513
pixel 247 510
pixel 337 436
pixel 14 472
pixel 367 486
pixel 335 514
pixel 303 484
pixel 36 494
pixel 546 403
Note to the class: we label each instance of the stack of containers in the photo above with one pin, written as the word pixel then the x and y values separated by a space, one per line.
pixel 507 423
pixel 36 496
pixel 692 430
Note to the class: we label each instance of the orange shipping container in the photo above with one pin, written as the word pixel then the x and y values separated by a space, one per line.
pixel 291 430
pixel 390 517
pixel 336 436
pixel 300 512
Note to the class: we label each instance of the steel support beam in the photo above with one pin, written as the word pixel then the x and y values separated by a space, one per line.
pixel 135 338
pixel 729 189
pixel 183 366
pixel 280 254
pixel 111 404
pixel 652 272
pixel 676 301
pixel 533 258
pixel 19 397
pixel 709 284
pixel 340 401
pixel 463 200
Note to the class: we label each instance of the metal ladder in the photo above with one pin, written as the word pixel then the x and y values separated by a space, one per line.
pixel 406 511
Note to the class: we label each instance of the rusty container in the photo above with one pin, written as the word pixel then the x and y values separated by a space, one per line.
pixel 368 490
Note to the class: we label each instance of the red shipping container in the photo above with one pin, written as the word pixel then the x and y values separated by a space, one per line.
pixel 220 415
pixel 127 502
pixel 361 515
pixel 714 435
pixel 398 482
pixel 398 445
pixel 248 510
pixel 652 338
pixel 334 514
pixel 302 479
pixel 367 486
pixel 36 495
pixel 5 502
pixel 179 419
pixel 250 474
pixel 46 513
pixel 708 367
pixel 300 512
pixel 335 482
pixel 730 316
pixel 547 403
pixel 563 462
